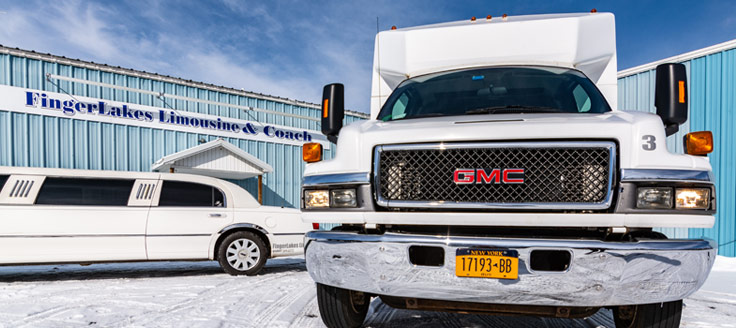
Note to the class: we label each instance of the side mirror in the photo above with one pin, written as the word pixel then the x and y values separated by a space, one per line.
pixel 670 96
pixel 333 110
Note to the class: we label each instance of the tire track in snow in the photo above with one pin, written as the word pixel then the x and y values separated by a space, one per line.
pixel 38 317
pixel 266 318
pixel 149 318
pixel 309 316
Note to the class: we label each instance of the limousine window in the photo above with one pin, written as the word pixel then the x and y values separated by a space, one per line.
pixel 177 193
pixel 95 192
pixel 3 179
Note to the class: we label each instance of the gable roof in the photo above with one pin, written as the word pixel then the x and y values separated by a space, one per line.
pixel 217 158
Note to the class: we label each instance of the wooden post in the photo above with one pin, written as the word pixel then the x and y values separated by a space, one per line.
pixel 260 189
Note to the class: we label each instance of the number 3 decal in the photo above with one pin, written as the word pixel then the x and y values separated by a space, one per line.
pixel 649 144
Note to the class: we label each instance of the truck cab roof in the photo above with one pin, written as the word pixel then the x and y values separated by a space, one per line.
pixel 583 41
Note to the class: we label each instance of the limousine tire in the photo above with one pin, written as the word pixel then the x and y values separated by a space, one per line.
pixel 242 253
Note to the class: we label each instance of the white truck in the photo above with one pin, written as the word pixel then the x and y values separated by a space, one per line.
pixel 496 175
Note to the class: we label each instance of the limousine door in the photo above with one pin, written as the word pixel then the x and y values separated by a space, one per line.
pixel 70 219
pixel 187 216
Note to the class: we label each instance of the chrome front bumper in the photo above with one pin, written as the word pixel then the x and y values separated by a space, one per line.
pixel 600 273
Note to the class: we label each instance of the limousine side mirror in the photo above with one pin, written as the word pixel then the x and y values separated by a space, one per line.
pixel 670 96
pixel 333 110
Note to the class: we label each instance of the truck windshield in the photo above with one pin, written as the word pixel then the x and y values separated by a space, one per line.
pixel 497 90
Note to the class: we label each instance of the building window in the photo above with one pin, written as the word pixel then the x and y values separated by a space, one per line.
pixel 93 192
pixel 176 193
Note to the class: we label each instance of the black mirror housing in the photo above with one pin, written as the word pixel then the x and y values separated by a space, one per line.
pixel 333 110
pixel 670 96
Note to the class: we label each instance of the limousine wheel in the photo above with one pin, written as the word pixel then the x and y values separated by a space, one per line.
pixel 242 253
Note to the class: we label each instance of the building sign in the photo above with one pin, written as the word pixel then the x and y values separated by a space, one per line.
pixel 45 103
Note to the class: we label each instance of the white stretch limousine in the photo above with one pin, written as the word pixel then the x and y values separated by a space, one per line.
pixel 81 216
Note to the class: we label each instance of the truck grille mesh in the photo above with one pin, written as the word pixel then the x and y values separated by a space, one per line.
pixel 554 174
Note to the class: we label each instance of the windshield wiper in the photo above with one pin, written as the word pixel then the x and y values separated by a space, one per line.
pixel 513 109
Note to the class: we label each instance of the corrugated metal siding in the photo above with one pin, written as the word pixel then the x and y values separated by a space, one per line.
pixel 712 87
pixel 34 140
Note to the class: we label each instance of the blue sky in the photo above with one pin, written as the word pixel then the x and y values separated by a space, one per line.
pixel 292 48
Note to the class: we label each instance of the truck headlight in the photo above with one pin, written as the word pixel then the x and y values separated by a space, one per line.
pixel 654 197
pixel 343 198
pixel 692 198
pixel 316 198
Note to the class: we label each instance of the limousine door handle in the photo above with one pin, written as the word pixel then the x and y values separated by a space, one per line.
pixel 217 215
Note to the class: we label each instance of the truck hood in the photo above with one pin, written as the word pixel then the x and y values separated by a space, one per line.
pixel 631 131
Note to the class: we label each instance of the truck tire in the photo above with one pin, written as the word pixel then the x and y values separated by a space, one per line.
pixel 242 253
pixel 341 308
pixel 658 315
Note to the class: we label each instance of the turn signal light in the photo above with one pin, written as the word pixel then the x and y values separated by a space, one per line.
pixel 699 143
pixel 312 152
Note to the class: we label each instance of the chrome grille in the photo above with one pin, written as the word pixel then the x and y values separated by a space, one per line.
pixel 562 175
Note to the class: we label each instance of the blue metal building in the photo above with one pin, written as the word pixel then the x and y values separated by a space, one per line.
pixel 712 94
pixel 44 137
pixel 36 138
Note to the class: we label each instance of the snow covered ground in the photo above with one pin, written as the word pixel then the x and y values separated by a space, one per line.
pixel 199 294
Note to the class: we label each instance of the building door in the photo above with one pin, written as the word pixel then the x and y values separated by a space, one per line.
pixel 188 215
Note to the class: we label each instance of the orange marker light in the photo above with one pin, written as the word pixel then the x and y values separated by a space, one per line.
pixel 393 27
pixel 488 17
pixel 472 19
pixel 699 143
pixel 681 91
pixel 312 152
pixel 325 106
pixel 594 10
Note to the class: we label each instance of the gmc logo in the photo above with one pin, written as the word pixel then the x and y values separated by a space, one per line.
pixel 495 176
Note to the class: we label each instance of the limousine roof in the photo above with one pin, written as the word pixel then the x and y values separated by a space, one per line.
pixel 237 196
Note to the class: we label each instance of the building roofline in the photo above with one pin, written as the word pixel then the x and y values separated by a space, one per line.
pixel 217 143
pixel 158 77
pixel 679 58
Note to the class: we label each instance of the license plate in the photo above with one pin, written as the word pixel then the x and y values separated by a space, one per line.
pixel 487 263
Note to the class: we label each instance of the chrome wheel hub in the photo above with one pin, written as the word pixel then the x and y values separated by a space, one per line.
pixel 243 254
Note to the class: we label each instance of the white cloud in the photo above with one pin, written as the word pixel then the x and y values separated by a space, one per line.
pixel 285 49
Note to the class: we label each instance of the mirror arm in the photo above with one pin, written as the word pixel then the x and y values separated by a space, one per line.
pixel 671 129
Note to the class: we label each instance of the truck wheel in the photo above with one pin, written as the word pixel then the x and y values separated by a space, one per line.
pixel 241 253
pixel 658 315
pixel 341 308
